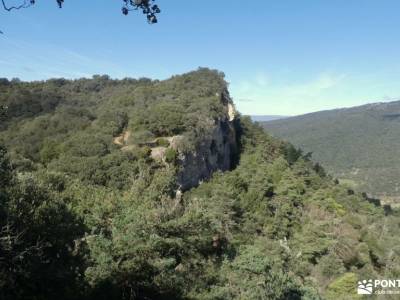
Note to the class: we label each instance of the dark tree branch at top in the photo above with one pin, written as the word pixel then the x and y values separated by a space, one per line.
pixel 25 4
pixel 146 6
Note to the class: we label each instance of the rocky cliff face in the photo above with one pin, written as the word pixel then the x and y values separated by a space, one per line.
pixel 217 152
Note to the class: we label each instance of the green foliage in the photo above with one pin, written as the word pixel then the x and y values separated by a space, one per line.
pixel 84 218
pixel 252 275
pixel 164 119
pixel 49 151
pixel 141 137
pixel 162 142
pixel 112 122
pixel 37 250
pixel 171 155
pixel 5 169
pixel 291 153
pixel 344 285
pixel 358 145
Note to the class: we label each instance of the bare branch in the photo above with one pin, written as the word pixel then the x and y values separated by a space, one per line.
pixel 148 7
pixel 26 4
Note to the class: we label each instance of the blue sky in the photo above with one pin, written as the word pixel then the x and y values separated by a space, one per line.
pixel 283 57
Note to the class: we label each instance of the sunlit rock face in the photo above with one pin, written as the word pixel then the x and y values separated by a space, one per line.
pixel 217 152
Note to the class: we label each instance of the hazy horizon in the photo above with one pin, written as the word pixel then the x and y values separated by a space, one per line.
pixel 236 101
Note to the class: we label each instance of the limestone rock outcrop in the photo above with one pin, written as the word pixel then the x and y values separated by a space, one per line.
pixel 217 152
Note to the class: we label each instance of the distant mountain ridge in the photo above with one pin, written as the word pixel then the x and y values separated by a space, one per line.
pixel 360 145
pixel 266 118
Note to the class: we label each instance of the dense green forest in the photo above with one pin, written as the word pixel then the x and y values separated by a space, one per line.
pixel 88 211
pixel 359 145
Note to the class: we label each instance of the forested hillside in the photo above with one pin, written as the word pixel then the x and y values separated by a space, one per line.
pixel 359 145
pixel 143 189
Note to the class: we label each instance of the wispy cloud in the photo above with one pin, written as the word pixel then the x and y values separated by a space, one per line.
pixel 316 86
pixel 41 61
pixel 283 96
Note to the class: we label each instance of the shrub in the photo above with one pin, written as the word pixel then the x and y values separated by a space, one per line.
pixel 49 151
pixel 171 156
pixel 162 142
pixel 140 136
pixel 145 151
pixel 343 288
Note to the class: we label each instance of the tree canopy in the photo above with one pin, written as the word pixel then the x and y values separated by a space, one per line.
pixel 87 212
pixel 358 145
